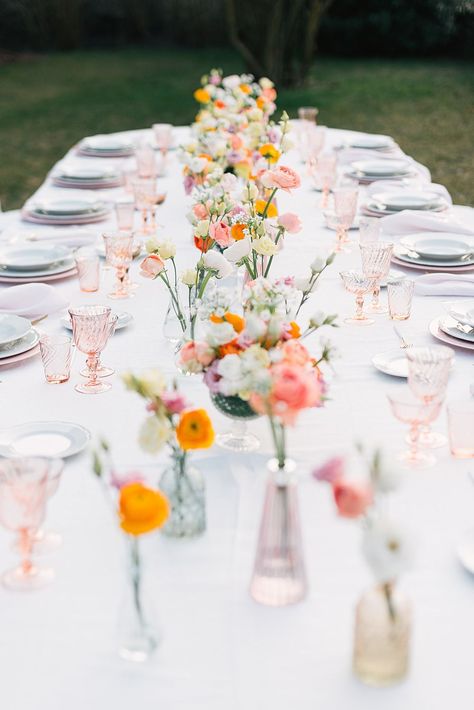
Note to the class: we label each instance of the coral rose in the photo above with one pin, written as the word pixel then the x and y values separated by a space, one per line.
pixel 200 211
pixel 281 177
pixel 352 498
pixel 151 266
pixel 142 509
pixel 220 232
pixel 293 388
pixel 194 430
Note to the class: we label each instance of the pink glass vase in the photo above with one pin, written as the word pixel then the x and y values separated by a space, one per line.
pixel 279 576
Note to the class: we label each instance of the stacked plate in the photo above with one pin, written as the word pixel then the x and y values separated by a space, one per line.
pixel 106 147
pixel 29 263
pixel 435 251
pixel 88 178
pixel 371 142
pixel 18 340
pixel 384 203
pixel 61 212
pixel 367 171
pixel 456 328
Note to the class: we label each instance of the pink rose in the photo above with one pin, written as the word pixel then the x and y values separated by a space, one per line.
pixel 294 353
pixel 293 388
pixel 290 222
pixel 331 471
pixel 151 266
pixel 282 177
pixel 174 402
pixel 200 211
pixel 352 499
pixel 220 232
pixel 200 353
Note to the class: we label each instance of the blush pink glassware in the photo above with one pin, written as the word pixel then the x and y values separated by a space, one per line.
pixel 400 295
pixel 409 410
pixel 369 230
pixel 461 429
pixel 308 113
pixel 88 269
pixel 119 248
pixel 45 541
pixel 163 133
pixel 125 214
pixel 144 190
pixel 376 258
pixel 345 208
pixel 129 176
pixel 357 283
pixel 56 353
pixel 279 576
pixel 145 157
pixel 23 495
pixel 103 371
pixel 91 329
pixel 324 173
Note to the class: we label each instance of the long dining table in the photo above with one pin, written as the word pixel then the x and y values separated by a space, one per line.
pixel 220 649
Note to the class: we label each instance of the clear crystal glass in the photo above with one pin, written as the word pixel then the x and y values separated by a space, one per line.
pixel 238 438
pixel 400 295
pixel 279 576
pixel 382 636
pixel 185 489
pixel 376 258
pixel 174 328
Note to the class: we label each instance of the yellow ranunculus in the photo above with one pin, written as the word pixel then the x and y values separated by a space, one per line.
pixel 141 509
pixel 260 208
pixel 269 152
pixel 202 96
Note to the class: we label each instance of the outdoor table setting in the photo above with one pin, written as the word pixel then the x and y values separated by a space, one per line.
pixel 199 326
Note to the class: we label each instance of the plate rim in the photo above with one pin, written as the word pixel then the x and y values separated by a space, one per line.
pixel 84 430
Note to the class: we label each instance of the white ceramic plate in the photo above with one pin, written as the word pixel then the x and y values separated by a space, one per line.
pixel 122 321
pixel 31 257
pixel 440 246
pixel 406 200
pixel 106 144
pixel 66 208
pixel 12 329
pixel 89 174
pixel 440 334
pixel 393 362
pixel 30 341
pixel 56 269
pixel 61 439
pixel 371 142
pixel 451 327
pixel 384 168
pixel 462 312
pixel 412 258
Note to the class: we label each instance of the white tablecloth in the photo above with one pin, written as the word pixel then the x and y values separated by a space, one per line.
pixel 221 650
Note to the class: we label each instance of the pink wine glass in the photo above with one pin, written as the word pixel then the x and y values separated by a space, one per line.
pixel 144 191
pixel 91 330
pixel 345 208
pixel 376 258
pixel 23 495
pixel 48 540
pixel 119 254
pixel 409 410
pixel 358 284
pixel 103 371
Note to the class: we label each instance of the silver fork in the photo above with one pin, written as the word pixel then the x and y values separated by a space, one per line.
pixel 403 343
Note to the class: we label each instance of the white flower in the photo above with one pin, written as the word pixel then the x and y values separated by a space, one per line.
pixel 215 261
pixel 318 264
pixel 387 549
pixel 219 334
pixel 231 82
pixel 303 283
pixel 255 114
pixel 167 249
pixel 197 165
pixel 228 182
pixel 317 319
pixel 250 192
pixel 188 277
pixel 151 245
pixel 266 83
pixel 154 433
pixel 152 383
pixel 202 228
pixel 265 246
pixel 254 327
pixel 238 250
pixel 230 367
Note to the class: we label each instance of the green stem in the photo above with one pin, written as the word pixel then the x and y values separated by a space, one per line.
pixel 388 591
pixel 268 203
pixel 136 578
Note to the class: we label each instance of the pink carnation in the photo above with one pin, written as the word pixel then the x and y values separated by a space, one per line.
pixel 220 232
pixel 281 177
pixel 290 222
pixel 352 498
pixel 331 471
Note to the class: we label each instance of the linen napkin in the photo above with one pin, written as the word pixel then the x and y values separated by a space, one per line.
pixel 72 237
pixel 31 300
pixel 410 221
pixel 394 186
pixel 445 285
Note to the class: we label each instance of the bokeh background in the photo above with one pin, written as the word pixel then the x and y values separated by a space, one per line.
pixel 70 68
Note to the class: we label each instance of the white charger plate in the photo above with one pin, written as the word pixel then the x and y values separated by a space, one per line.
pixel 12 329
pixel 123 320
pixel 61 439
pixel 88 174
pixel 60 268
pixel 439 245
pixel 65 208
pixel 32 257
pixel 371 142
pixel 392 362
pixel 29 342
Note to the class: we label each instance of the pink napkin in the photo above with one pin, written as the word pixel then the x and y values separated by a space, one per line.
pixel 31 300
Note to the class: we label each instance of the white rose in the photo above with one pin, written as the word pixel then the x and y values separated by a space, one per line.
pixel 254 327
pixel 202 228
pixel 167 249
pixel 197 165
pixel 154 433
pixel 318 264
pixel 255 114
pixel 387 549
pixel 188 277
pixel 238 250
pixel 219 334
pixel 265 246
pixel 230 367
pixel 228 182
pixel 231 82
pixel 219 148
pixel 217 262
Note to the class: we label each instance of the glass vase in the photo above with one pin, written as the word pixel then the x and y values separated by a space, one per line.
pixel 174 327
pixel 138 635
pixel 185 489
pixel 279 576
pixel 382 636
pixel 237 439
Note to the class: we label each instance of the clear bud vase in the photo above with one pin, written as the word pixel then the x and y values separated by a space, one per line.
pixel 279 576
pixel 185 489
pixel 173 327
pixel 382 636
pixel 138 635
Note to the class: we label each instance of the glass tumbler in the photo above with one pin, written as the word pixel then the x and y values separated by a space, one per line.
pixel 56 356
pixel 88 269
pixel 461 429
pixel 400 295
pixel 125 214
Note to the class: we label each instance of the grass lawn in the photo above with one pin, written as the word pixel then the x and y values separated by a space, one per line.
pixel 49 102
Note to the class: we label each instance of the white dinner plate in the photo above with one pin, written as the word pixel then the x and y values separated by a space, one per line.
pixel 61 439
pixel 383 168
pixel 371 142
pixel 106 144
pixel 60 268
pixel 439 246
pixel 412 258
pixel 462 312
pixel 31 257
pixel 88 174
pixel 122 321
pixel 29 342
pixel 66 208
pixel 393 362
pixel 437 332
pixel 12 329
pixel 407 200
pixel 452 327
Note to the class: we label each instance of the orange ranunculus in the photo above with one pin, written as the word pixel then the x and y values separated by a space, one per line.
pixel 205 155
pixel 237 231
pixel 236 321
pixel 260 208
pixel 219 104
pixel 203 244
pixel 261 101
pixel 141 509
pixel 194 430
pixel 294 330
pixel 269 152
pixel 202 96
pixel 232 348
pixel 245 88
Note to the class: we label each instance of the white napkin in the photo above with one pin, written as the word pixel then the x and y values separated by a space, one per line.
pixel 410 221
pixel 72 237
pixel 445 285
pixel 394 186
pixel 31 300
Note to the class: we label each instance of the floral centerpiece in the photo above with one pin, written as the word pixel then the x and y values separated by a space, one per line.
pixel 173 424
pixel 383 614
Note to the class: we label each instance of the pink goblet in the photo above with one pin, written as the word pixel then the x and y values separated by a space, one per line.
pixel 163 136
pixel 345 208
pixel 91 330
pixel 410 410
pixel 145 157
pixel 376 258
pixel 48 540
pixel 23 495
pixel 359 285
pixel 144 190
pixel 326 172
pixel 119 254
pixel 103 371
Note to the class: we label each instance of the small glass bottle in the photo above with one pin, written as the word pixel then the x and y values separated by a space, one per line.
pixel 185 489
pixel 382 636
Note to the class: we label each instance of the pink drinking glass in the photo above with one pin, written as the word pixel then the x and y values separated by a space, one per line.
pixel 88 269
pixel 308 113
pixel 358 284
pixel 145 157
pixel 409 410
pixel 163 136
pixel 119 254
pixel 103 371
pixel 91 330
pixel 144 190
pixel 129 176
pixel 376 258
pixel 125 214
pixel 345 208
pixel 23 495
pixel 326 172
pixel 45 541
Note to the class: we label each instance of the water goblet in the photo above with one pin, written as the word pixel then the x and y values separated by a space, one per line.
pixel 376 258
pixel 23 495
pixel 103 371
pixel 345 208
pixel 144 190
pixel 163 136
pixel 316 138
pixel 369 229
pixel 357 283
pixel 119 254
pixel 125 214
pixel 428 373
pixel 91 329
pixel 308 113
pixel 410 410
pixel 324 172
pixel 45 541
pixel 145 157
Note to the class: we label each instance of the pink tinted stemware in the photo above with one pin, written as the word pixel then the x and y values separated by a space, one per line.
pixel 103 371
pixel 345 208
pixel 358 284
pixel 119 254
pixel 23 494
pixel 48 540
pixel 163 136
pixel 91 330
pixel 324 171
pixel 376 257
pixel 410 410
pixel 144 190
